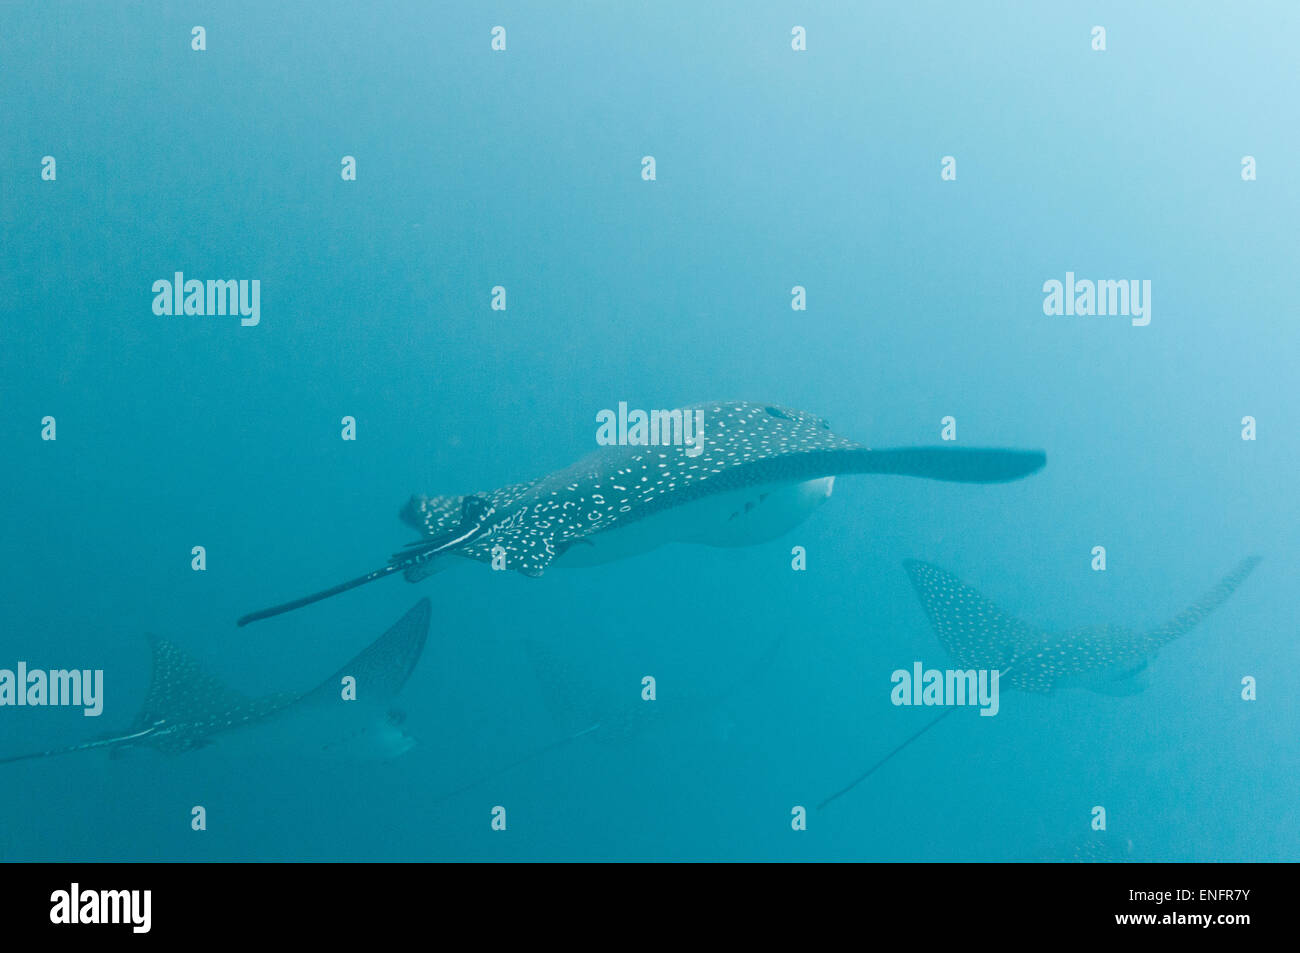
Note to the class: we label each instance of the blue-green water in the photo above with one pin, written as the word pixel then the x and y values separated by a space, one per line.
pixel 775 168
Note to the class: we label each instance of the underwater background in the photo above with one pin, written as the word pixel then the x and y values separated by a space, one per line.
pixel 774 168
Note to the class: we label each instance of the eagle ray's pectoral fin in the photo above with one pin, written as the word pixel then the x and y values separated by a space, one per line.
pixel 951 464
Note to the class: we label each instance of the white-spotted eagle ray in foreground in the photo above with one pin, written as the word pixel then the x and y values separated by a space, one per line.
pixel 187 709
pixel 1109 659
pixel 761 471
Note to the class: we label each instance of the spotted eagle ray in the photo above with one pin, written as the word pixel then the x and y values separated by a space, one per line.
pixel 1108 659
pixel 186 708
pixel 581 710
pixel 757 473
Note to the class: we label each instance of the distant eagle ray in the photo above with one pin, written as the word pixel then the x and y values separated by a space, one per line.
pixel 581 710
pixel 761 471
pixel 187 709
pixel 1108 659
